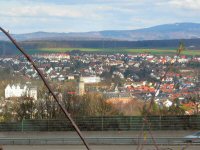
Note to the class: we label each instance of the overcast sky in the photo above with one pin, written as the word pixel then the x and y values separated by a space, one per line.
pixel 23 16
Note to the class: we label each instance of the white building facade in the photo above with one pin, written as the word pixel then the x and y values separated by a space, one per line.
pixel 90 79
pixel 20 90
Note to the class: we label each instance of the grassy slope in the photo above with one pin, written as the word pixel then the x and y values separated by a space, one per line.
pixel 121 50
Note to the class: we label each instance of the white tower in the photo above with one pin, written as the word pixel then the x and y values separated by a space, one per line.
pixel 81 87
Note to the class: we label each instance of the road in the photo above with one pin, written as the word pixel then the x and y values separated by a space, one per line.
pixel 99 134
pixel 91 134
pixel 112 147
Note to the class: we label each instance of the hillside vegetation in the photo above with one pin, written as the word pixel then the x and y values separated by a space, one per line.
pixel 154 47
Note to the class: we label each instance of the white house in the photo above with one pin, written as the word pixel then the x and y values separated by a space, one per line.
pixel 90 79
pixel 20 90
pixel 167 103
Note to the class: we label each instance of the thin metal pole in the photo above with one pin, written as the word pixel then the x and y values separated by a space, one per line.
pixel 48 87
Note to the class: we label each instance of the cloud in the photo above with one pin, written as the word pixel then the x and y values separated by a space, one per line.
pixel 41 11
pixel 90 15
pixel 90 11
pixel 185 4
pixel 53 8
pixel 74 2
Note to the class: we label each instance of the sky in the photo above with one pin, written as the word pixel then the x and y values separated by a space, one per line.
pixel 25 16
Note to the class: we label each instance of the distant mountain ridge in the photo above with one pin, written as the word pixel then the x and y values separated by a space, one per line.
pixel 160 32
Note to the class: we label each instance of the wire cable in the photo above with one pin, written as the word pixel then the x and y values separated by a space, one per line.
pixel 48 87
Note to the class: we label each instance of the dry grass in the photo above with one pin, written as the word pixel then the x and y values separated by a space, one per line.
pixel 128 106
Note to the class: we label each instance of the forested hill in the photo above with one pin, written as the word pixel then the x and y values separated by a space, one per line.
pixel 6 48
pixel 159 32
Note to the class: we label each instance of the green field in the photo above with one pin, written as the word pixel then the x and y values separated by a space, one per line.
pixel 117 50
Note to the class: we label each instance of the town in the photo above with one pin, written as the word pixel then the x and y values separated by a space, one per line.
pixel 119 78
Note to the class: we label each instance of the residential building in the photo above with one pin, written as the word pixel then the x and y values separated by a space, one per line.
pixel 90 79
pixel 20 90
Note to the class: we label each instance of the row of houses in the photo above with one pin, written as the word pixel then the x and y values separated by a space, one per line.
pixel 132 69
